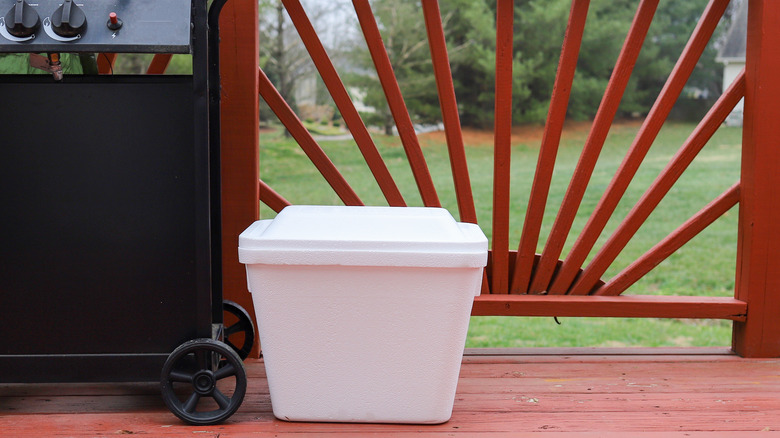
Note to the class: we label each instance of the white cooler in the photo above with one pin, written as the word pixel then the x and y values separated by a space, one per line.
pixel 363 311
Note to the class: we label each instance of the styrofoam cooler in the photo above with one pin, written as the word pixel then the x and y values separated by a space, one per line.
pixel 363 311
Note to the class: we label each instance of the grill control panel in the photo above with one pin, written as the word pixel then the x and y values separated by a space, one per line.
pixel 125 26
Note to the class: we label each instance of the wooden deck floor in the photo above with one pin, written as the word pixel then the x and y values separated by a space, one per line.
pixel 583 392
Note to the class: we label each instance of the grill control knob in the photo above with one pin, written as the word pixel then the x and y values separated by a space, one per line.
pixel 114 23
pixel 68 20
pixel 22 20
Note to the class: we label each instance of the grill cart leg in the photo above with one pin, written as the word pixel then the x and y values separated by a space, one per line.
pixel 203 382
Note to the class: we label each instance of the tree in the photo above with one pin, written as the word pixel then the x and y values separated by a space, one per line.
pixel 283 56
pixel 539 34
pixel 539 29
pixel 403 33
pixel 470 43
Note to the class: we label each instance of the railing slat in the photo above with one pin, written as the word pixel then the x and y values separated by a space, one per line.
pixel 304 139
pixel 502 157
pixel 624 306
pixel 594 143
pixel 344 103
pixel 395 101
pixel 270 197
pixel 662 250
pixel 449 110
pixel 641 145
pixel 159 64
pixel 549 149
pixel 105 62
pixel 660 187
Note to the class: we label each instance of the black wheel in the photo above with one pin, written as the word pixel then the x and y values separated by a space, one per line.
pixel 239 330
pixel 203 382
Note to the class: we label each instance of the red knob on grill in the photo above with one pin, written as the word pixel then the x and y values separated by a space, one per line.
pixel 114 23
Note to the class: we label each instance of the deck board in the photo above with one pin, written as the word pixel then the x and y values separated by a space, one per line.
pixel 501 393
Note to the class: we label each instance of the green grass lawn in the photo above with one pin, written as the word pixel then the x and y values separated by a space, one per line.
pixel 705 266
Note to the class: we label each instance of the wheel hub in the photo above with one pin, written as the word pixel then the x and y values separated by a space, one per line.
pixel 204 382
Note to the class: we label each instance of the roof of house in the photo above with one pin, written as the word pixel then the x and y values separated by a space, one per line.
pixel 734 47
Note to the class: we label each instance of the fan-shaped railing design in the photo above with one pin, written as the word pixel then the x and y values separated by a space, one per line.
pixel 522 282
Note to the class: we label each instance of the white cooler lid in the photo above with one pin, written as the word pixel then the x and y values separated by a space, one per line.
pixel 363 236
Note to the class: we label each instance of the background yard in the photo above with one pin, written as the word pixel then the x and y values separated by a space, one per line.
pixel 705 266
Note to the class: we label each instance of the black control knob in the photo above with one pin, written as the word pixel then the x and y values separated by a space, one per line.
pixel 22 20
pixel 68 20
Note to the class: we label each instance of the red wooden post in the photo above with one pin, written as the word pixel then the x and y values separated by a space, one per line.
pixel 305 140
pixel 666 247
pixel 640 146
pixel 238 62
pixel 271 197
pixel 545 164
pixel 159 64
pixel 659 188
pixel 344 102
pixel 593 145
pixel 503 145
pixel 449 111
pixel 758 250
pixel 105 62
pixel 395 101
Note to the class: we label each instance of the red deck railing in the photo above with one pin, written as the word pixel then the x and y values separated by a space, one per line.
pixel 523 282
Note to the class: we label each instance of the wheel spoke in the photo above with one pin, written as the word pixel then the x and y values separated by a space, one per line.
pixel 226 371
pixel 222 400
pixel 231 345
pixel 191 403
pixel 239 326
pixel 180 376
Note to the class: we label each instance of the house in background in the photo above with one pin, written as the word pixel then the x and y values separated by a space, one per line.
pixel 732 55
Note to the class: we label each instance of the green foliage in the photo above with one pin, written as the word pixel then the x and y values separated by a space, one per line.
pixel 539 30
pixel 539 35
pixel 180 65
pixel 18 63
pixel 470 27
pixel 514 332
pixel 405 40
pixel 470 30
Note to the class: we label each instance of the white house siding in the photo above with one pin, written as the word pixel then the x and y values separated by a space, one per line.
pixel 730 72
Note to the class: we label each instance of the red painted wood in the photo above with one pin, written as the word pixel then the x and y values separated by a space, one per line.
pixel 307 143
pixel 159 64
pixel 105 62
pixel 270 197
pixel 395 101
pixel 672 243
pixel 502 262
pixel 581 393
pixel 758 246
pixel 449 110
pixel 594 143
pixel 549 149
pixel 639 148
pixel 239 58
pixel 344 103
pixel 502 157
pixel 628 306
pixel 660 187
